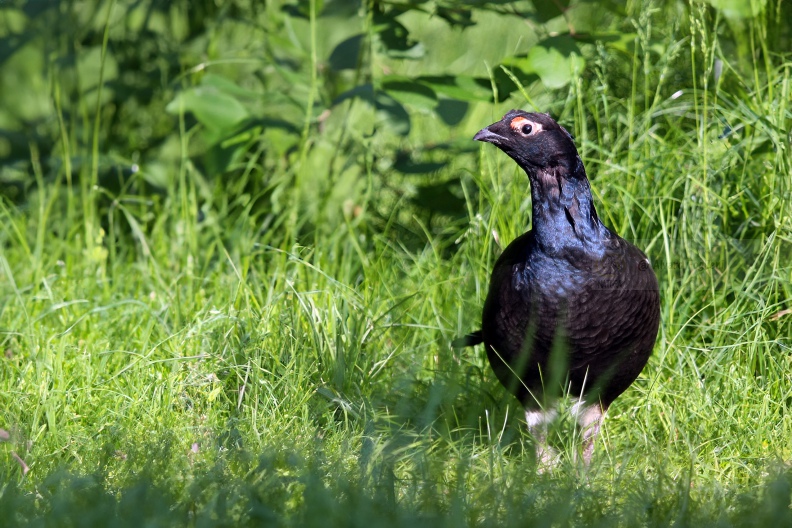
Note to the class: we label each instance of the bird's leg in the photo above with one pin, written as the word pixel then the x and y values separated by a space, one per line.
pixel 537 421
pixel 589 417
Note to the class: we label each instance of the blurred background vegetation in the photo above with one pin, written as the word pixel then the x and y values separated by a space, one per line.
pixel 237 238
pixel 308 103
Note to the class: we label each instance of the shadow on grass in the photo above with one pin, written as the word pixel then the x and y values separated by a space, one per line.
pixel 286 490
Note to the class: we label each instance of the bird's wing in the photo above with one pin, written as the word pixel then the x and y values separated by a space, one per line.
pixel 614 306
pixel 508 308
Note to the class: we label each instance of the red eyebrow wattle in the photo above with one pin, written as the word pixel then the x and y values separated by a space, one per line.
pixel 517 122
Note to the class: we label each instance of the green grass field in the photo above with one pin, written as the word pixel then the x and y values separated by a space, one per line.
pixel 206 323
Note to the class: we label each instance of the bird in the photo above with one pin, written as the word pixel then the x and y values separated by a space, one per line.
pixel 571 307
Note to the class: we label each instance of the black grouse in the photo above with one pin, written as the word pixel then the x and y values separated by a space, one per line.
pixel 571 305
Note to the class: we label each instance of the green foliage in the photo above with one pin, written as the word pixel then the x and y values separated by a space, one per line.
pixel 236 239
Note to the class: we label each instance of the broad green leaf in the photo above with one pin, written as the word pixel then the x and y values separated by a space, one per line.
pixel 547 10
pixel 441 198
pixel 406 165
pixel 213 108
pixel 391 115
pixel 226 85
pixel 451 111
pixel 461 87
pixel 515 79
pixel 459 16
pixel 364 92
pixel 615 7
pixel 555 60
pixel 616 40
pixel 302 9
pixel 739 8
pixel 395 38
pixel 588 17
pixel 410 92
pixel 345 55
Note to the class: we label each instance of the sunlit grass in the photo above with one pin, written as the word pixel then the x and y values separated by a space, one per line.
pixel 196 362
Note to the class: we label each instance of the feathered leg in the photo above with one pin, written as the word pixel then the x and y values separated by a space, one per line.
pixel 589 417
pixel 537 421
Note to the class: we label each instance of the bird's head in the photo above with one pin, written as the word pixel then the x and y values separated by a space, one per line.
pixel 535 141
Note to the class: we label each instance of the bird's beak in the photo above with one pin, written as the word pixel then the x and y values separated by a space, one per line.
pixel 488 136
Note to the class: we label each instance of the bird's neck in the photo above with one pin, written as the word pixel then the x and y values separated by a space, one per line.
pixel 564 216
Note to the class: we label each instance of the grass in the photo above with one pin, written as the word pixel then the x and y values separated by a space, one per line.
pixel 179 357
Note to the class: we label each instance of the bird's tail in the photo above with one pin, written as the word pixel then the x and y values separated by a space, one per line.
pixel 469 340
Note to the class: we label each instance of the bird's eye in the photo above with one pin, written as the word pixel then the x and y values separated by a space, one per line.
pixel 526 129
